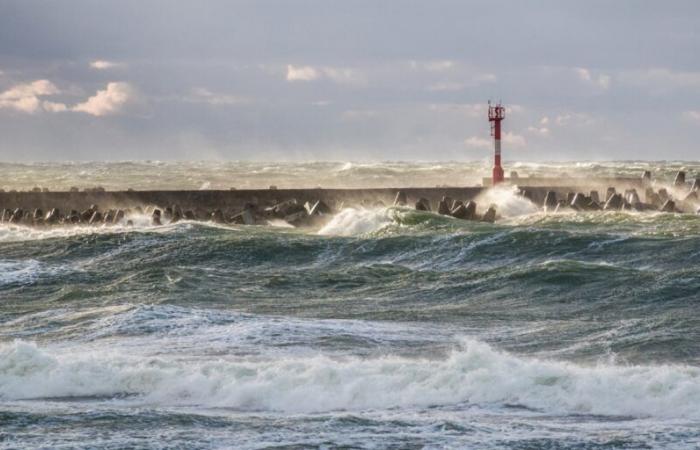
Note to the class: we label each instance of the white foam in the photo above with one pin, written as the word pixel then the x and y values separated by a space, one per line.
pixel 19 233
pixel 357 221
pixel 19 271
pixel 473 373
pixel 508 202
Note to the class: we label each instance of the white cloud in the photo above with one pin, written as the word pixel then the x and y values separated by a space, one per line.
pixel 514 140
pixel 478 142
pixel 602 80
pixel 575 119
pixel 101 64
pixel 204 95
pixel 485 78
pixel 343 75
pixel 25 97
pixel 338 75
pixel 435 66
pixel 661 79
pixel 692 115
pixel 542 131
pixel 514 109
pixel 583 74
pixel 108 101
pixel 447 86
pixel 470 109
pixel 29 98
pixel 302 73
pixel 53 106
pixel 465 81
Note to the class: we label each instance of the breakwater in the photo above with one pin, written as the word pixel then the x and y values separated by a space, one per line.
pixel 228 201
pixel 306 207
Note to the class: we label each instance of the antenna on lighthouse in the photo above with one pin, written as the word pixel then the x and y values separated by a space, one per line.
pixel 496 114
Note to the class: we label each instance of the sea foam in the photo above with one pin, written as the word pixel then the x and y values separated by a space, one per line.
pixel 473 373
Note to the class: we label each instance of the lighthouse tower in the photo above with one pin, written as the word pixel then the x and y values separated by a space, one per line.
pixel 496 114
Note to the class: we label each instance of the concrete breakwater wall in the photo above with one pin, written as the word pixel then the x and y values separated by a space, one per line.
pixel 309 207
pixel 227 201
pixel 235 200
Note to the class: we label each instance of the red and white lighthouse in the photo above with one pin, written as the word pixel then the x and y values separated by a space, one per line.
pixel 496 114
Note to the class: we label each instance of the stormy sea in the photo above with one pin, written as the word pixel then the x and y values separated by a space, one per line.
pixel 385 328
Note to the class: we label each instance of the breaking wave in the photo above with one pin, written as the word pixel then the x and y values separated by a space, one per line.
pixel 473 373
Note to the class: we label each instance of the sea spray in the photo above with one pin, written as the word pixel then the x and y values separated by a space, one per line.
pixel 357 221
pixel 508 202
pixel 472 373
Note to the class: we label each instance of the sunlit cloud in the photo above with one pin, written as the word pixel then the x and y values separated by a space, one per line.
pixel 25 97
pixel 110 100
pixel 101 64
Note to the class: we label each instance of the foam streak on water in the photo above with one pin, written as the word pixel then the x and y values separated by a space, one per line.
pixel 386 328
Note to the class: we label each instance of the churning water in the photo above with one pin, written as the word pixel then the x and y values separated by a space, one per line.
pixel 387 328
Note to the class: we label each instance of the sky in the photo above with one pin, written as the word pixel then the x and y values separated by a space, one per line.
pixel 348 80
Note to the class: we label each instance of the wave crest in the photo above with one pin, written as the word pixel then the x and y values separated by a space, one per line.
pixel 474 373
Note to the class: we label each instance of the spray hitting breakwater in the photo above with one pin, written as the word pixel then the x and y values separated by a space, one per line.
pixel 272 207
pixel 313 207
pixel 379 327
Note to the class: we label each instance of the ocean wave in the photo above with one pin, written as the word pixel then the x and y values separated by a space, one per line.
pixel 357 221
pixel 474 373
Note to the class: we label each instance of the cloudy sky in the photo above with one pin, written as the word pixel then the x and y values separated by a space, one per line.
pixel 357 80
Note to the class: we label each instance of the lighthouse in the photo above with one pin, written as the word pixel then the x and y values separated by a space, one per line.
pixel 496 114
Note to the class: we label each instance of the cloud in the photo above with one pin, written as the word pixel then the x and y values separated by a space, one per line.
pixel 514 140
pixel 29 98
pixel 25 97
pixel 101 64
pixel 108 101
pixel 204 95
pixel 447 86
pixel 542 131
pixel 575 119
pixel 602 80
pixel 469 109
pixel 514 109
pixel 338 75
pixel 661 79
pixel 692 115
pixel 343 75
pixel 478 142
pixel 465 81
pixel 302 73
pixel 53 106
pixel 433 66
